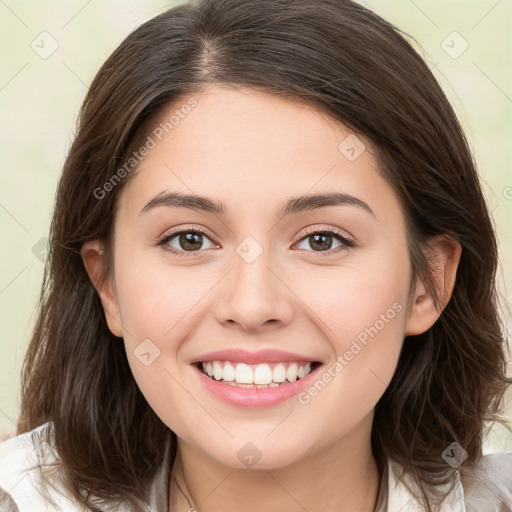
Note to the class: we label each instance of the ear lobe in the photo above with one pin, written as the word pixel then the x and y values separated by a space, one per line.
pixel 93 258
pixel 444 255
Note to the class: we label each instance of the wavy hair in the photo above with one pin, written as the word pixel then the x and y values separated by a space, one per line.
pixel 358 69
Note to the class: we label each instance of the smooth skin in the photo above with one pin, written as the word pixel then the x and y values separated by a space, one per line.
pixel 252 151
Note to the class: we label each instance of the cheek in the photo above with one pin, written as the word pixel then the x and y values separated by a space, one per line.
pixel 366 332
pixel 362 312
pixel 367 290
pixel 158 301
pixel 160 308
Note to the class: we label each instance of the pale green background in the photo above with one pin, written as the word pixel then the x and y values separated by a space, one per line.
pixel 40 98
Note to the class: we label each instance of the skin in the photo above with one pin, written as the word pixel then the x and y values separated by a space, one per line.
pixel 252 151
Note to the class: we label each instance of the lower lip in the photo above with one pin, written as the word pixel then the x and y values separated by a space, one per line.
pixel 254 397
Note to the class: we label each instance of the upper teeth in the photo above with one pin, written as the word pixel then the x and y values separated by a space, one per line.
pixel 243 373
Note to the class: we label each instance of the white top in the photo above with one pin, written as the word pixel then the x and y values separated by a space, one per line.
pixel 488 491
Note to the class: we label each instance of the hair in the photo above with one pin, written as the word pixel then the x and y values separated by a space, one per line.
pixel 358 69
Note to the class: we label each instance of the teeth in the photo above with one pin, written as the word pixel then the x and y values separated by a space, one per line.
pixel 262 374
pixel 244 374
pixel 228 373
pixel 256 376
pixel 279 373
pixel 291 372
pixel 218 372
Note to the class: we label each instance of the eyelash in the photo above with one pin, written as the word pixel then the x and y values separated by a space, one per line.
pixel 335 233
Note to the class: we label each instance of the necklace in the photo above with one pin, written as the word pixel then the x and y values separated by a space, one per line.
pixel 181 476
pixel 190 507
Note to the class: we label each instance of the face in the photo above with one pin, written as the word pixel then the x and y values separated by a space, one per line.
pixel 270 284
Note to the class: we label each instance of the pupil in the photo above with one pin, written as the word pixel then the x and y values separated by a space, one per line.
pixel 193 239
pixel 318 245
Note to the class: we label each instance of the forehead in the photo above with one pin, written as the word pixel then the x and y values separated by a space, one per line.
pixel 247 146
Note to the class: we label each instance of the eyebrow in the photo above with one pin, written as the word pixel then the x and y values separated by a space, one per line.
pixel 292 205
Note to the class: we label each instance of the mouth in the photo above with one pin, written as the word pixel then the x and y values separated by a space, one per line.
pixel 256 376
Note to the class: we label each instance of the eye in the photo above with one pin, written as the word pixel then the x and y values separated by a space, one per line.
pixel 322 240
pixel 185 241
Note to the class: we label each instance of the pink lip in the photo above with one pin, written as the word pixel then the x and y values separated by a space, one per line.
pixel 253 397
pixel 245 356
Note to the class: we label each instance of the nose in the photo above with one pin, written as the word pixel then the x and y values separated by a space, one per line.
pixel 254 296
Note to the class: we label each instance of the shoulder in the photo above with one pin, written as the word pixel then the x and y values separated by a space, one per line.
pixel 488 486
pixel 404 494
pixel 21 460
pixel 484 487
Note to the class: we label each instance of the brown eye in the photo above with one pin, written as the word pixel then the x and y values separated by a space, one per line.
pixel 322 241
pixel 181 242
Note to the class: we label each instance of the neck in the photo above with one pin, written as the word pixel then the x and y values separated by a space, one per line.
pixel 338 478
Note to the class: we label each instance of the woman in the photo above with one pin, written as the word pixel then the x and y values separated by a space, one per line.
pixel 328 341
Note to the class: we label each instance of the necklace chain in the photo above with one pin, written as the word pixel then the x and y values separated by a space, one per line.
pixel 191 508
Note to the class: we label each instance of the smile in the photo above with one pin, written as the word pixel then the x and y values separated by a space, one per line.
pixel 257 376
pixel 254 379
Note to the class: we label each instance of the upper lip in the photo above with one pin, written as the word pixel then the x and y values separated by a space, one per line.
pixel 245 356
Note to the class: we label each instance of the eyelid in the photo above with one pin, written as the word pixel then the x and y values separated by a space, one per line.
pixel 313 230
pixel 189 227
pixel 163 239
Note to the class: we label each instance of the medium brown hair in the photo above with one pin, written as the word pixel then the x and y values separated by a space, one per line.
pixel 360 70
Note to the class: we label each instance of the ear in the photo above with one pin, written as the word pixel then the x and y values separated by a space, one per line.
pixel 94 261
pixel 444 255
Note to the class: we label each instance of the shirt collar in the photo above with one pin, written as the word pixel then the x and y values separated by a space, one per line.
pixel 394 494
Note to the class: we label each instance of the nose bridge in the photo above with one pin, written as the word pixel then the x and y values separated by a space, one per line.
pixel 254 295
pixel 252 274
